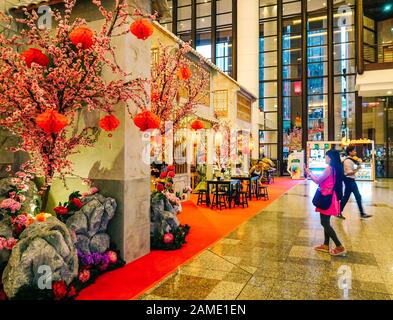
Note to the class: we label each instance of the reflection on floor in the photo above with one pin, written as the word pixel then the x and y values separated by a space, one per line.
pixel 271 256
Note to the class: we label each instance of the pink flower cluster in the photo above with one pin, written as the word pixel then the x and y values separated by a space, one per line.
pixel 7 244
pixel 11 205
pixel 168 100
pixel 70 83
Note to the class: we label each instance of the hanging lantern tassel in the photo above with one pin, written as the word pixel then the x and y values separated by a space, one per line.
pixel 109 123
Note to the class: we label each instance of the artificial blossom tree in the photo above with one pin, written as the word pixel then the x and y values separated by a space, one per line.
pixel 48 76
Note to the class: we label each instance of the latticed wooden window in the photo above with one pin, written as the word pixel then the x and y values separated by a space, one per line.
pixel 221 102
pixel 155 56
pixel 243 108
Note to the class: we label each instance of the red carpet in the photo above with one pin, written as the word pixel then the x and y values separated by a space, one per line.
pixel 207 227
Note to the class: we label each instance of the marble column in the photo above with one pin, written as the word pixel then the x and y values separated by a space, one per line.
pixel 115 164
pixel 248 57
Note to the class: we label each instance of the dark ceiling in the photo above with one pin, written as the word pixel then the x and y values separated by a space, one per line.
pixel 377 9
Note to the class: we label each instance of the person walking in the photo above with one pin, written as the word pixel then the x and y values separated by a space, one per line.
pixel 330 187
pixel 351 167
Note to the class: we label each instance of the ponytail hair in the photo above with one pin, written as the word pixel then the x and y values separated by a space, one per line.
pixel 336 165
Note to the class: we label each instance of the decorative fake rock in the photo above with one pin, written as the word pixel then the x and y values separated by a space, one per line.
pixel 47 243
pixel 90 223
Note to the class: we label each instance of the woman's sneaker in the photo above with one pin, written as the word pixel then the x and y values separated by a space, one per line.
pixel 322 248
pixel 365 216
pixel 338 251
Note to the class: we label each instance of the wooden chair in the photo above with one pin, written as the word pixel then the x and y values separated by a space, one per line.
pixel 202 197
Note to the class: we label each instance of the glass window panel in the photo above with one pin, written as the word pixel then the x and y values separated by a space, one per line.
pixel 263 3
pixel 317 38
pixel 184 13
pixel 318 69
pixel 224 6
pixel 292 8
pixel 203 44
pixel 341 36
pixel 268 73
pixel 184 26
pixel 344 84
pixel 344 113
pixel 292 71
pixel 268 89
pixel 369 37
pixel 316 5
pixel 344 51
pixel 268 12
pixel 271 120
pixel 317 23
pixel 344 66
pixel 268 59
pixel 369 23
pixel 268 28
pixel 203 9
pixel 181 3
pixel 292 26
pixel 203 23
pixel 268 44
pixel 292 88
pixel 224 19
pixel 340 3
pixel 292 56
pixel 317 118
pixel 317 54
pixel 317 86
pixel 344 19
pixel 269 104
pixel 270 136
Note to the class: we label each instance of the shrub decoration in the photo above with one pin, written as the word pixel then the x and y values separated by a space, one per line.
pixel 166 231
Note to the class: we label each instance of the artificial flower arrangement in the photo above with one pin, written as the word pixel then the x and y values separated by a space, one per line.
pixel 91 266
pixel 170 238
pixel 67 209
pixel 164 185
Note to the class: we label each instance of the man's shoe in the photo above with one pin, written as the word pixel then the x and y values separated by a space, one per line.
pixel 365 216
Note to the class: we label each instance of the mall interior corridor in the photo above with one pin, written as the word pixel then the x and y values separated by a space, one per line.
pixel 271 256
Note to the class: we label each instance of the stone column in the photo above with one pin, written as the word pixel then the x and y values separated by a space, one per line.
pixel 248 57
pixel 115 164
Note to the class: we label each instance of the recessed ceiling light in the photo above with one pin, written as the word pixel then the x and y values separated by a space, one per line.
pixel 387 7
pixel 390 92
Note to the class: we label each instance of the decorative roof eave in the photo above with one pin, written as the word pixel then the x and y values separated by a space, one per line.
pixel 160 6
pixel 32 4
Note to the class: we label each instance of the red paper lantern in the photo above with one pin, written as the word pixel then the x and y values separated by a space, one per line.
pixel 146 120
pixel 197 125
pixel 142 29
pixel 82 35
pixel 35 55
pixel 109 123
pixel 51 121
pixel 297 88
pixel 184 73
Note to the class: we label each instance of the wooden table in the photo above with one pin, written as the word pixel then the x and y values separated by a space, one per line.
pixel 250 179
pixel 218 183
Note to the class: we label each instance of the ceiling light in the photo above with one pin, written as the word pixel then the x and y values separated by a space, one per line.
pixel 390 92
pixel 387 7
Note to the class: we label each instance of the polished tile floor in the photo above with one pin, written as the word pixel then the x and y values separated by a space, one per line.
pixel 271 256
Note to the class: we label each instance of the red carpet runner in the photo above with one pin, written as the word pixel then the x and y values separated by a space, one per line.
pixel 207 227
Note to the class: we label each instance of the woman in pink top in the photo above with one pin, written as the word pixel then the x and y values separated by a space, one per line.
pixel 330 182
